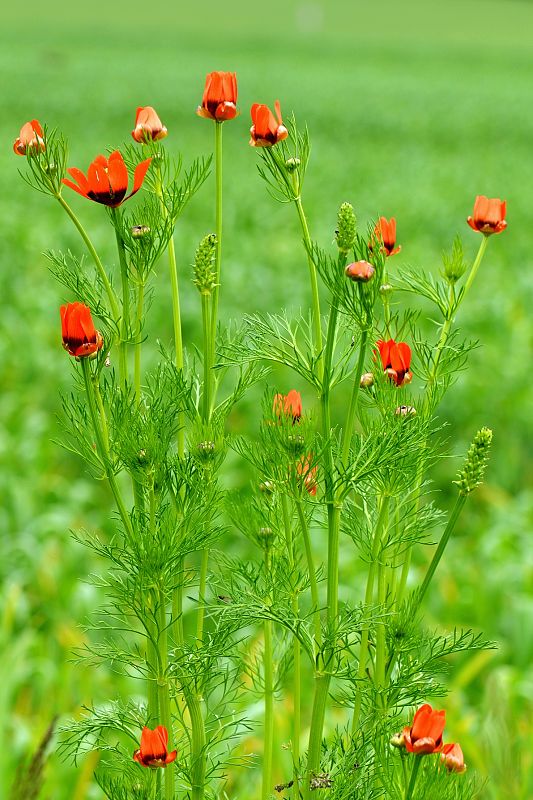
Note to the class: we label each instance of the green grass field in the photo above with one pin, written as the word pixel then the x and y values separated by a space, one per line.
pixel 412 112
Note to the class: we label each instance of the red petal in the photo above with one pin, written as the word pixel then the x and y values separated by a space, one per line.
pixel 117 174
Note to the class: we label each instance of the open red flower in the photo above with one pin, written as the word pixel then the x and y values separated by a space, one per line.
pixel 452 755
pixel 31 137
pixel 267 129
pixel 385 233
pixel 148 126
pixel 220 97
pixel 489 215
pixel 107 180
pixel 80 337
pixel 153 750
pixel 288 405
pixel 396 360
pixel 425 734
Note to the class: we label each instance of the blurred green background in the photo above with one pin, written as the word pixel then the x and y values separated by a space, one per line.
pixel 413 109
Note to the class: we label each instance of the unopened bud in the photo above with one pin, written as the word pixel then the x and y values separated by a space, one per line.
pixel 138 231
pixel 206 450
pixel 50 168
pixel 267 536
pixel 385 289
pixel 267 487
pixel 345 233
pixel 367 380
pixel 398 740
pixel 292 164
pixel 107 362
pixel 295 444
pixel 204 276
pixel 405 411
pixel 454 264
pixel 471 475
pixel 360 271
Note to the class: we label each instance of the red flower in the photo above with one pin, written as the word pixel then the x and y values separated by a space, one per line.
pixel 360 271
pixel 107 180
pixel 489 215
pixel 288 405
pixel 396 360
pixel 425 734
pixel 220 97
pixel 267 129
pixel 385 233
pixel 452 755
pixel 31 136
pixel 153 750
pixel 308 473
pixel 148 126
pixel 80 338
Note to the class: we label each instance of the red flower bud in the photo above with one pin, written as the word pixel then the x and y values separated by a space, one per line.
pixel 288 405
pixel 80 338
pixel 425 734
pixel 489 215
pixel 360 271
pixel 31 136
pixel 148 126
pixel 106 181
pixel 267 129
pixel 308 473
pixel 452 755
pixel 396 361
pixel 219 101
pixel 153 750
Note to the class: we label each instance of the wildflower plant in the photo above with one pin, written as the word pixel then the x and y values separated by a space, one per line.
pixel 225 645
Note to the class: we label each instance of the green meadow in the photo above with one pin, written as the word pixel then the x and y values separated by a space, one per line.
pixel 413 109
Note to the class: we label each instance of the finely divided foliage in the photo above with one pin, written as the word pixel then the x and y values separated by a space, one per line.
pixel 237 612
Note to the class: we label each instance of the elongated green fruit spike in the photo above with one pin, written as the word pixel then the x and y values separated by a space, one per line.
pixel 471 475
pixel 204 274
pixel 345 233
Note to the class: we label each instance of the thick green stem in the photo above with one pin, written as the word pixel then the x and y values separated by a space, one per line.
pixel 369 594
pixel 103 446
pixel 268 671
pixel 138 343
pixel 206 394
pixel 354 399
pixel 322 681
pixel 297 677
pixel 113 303
pixel 409 789
pixel 124 278
pixel 315 602
pixel 202 585
pixel 315 299
pixel 198 761
pixel 218 232
pixel 164 690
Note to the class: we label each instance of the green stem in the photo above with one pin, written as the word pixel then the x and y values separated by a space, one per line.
pixel 113 304
pixel 354 399
pixel 268 737
pixel 153 657
pixel 138 344
pixel 409 789
pixel 204 563
pixel 312 573
pixel 315 299
pixel 103 446
pixel 475 265
pixel 124 277
pixel 206 395
pixel 445 538
pixel 218 232
pixel 320 700
pixel 369 594
pixel 198 742
pixel 164 690
pixel 297 677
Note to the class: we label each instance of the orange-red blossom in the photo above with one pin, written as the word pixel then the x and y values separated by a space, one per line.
pixel 288 405
pixel 31 137
pixel 80 337
pixel 106 181
pixel 385 233
pixel 153 750
pixel 266 129
pixel 489 215
pixel 424 736
pixel 219 101
pixel 396 361
pixel 148 126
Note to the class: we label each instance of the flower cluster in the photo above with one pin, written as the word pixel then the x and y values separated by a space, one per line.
pixel 424 737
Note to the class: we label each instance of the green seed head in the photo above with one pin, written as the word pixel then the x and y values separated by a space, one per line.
pixel 471 475
pixel 204 275
pixel 345 233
